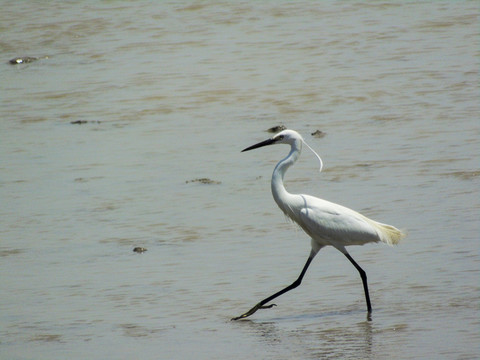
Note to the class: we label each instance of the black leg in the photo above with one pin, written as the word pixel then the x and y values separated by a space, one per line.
pixel 363 275
pixel 261 304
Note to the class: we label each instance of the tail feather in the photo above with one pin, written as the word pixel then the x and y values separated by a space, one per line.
pixel 387 233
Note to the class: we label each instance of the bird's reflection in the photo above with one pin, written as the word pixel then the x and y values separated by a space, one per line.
pixel 313 336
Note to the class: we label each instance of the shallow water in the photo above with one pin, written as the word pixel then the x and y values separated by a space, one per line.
pixel 171 92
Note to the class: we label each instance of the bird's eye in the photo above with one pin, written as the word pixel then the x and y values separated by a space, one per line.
pixel 281 137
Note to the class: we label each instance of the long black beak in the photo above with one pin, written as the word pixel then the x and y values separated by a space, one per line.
pixel 260 144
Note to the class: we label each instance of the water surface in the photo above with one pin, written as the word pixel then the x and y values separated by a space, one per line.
pixel 172 91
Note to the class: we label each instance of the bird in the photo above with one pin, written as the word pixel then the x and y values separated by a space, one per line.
pixel 327 223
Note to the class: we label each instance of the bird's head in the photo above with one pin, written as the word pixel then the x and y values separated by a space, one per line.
pixel 289 137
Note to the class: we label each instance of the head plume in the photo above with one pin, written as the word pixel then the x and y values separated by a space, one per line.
pixel 318 156
pixel 287 136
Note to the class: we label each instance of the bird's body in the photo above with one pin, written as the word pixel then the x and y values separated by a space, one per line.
pixel 325 222
pixel 328 223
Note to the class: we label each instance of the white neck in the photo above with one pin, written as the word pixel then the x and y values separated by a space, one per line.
pixel 279 192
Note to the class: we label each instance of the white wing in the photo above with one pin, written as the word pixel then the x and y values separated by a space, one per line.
pixel 332 224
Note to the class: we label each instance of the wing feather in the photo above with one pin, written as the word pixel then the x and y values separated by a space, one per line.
pixel 333 224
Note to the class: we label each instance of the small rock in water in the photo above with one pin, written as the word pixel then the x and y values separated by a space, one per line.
pixel 203 181
pixel 318 134
pixel 23 60
pixel 276 129
pixel 81 122
pixel 139 249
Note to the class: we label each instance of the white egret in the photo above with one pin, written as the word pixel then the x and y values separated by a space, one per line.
pixel 325 222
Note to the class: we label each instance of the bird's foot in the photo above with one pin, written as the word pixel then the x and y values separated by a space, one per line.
pixel 369 315
pixel 253 310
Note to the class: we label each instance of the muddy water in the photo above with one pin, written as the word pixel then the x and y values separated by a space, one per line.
pixel 161 94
